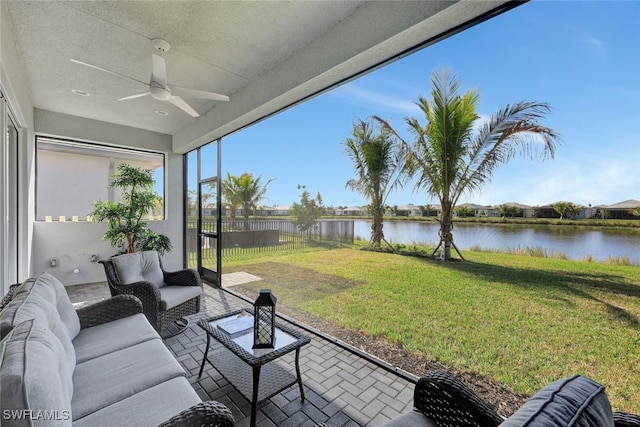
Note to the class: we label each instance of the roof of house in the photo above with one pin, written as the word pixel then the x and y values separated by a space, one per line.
pixel 627 204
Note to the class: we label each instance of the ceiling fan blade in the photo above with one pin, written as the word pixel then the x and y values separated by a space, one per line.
pixel 179 102
pixel 194 93
pixel 137 95
pixel 159 73
pixel 108 71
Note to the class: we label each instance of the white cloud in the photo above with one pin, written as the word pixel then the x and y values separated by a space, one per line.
pixel 594 44
pixel 356 95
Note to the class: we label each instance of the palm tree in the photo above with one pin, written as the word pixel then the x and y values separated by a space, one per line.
pixel 378 168
pixel 245 191
pixel 449 158
pixel 563 208
pixel 230 195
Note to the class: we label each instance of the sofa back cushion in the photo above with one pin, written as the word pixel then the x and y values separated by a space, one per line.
pixel 52 290
pixel 33 302
pixel 34 374
pixel 572 402
pixel 138 267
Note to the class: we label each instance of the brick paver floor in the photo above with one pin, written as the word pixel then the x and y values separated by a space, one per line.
pixel 341 387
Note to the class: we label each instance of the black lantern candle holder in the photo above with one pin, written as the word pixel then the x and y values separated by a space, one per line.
pixel 264 320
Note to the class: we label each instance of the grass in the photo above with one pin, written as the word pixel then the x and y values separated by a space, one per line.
pixel 521 321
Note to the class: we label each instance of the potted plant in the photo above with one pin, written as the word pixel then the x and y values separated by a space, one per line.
pixel 128 230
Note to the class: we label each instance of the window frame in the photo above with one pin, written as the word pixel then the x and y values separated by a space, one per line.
pixel 79 147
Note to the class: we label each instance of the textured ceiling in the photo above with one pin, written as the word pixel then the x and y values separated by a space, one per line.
pixel 252 51
pixel 215 46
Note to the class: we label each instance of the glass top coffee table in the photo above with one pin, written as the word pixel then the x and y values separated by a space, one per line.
pixel 264 380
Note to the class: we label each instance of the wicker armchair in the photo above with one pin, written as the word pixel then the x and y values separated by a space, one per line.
pixel 447 402
pixel 623 419
pixel 166 296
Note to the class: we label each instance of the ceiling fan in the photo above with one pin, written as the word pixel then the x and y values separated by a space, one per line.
pixel 158 86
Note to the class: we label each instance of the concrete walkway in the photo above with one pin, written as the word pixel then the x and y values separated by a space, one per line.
pixel 341 387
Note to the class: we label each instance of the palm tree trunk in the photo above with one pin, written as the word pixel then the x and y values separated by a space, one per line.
pixel 376 228
pixel 446 236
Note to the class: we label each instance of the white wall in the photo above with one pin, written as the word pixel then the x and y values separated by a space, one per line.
pixel 72 243
pixel 67 185
pixel 14 86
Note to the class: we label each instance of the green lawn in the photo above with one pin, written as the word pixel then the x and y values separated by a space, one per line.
pixel 520 321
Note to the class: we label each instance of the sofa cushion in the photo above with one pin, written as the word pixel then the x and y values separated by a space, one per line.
pixel 50 289
pixel 53 291
pixel 172 296
pixel 108 379
pixel 413 418
pixel 109 337
pixel 151 406
pixel 138 267
pixel 34 373
pixel 33 305
pixel 572 402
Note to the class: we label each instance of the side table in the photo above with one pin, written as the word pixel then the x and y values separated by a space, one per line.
pixel 264 380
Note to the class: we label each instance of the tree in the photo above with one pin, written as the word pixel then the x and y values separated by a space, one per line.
pixel 425 210
pixel 511 211
pixel 245 191
pixel 464 211
pixel 635 211
pixel 449 158
pixel 574 210
pixel 378 168
pixel 128 231
pixel 564 209
pixel 308 211
pixel 192 202
pixel 231 196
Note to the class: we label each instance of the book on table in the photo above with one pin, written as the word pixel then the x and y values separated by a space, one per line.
pixel 237 326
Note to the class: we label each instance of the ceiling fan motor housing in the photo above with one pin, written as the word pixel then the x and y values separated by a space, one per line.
pixel 160 93
pixel 161 45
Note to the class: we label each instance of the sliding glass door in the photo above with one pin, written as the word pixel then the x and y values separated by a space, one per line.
pixel 9 200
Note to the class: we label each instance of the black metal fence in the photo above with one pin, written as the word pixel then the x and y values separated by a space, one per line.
pixel 240 238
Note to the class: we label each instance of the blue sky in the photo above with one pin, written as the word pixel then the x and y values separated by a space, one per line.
pixel 581 57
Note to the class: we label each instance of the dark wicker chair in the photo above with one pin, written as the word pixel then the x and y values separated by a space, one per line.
pixel 156 301
pixel 623 419
pixel 9 296
pixel 449 403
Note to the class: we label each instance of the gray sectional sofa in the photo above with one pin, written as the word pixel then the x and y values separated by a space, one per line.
pixel 102 365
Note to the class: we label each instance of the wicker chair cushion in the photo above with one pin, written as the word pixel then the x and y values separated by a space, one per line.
pixel 32 305
pixel 139 267
pixel 572 402
pixel 34 372
pixel 172 296
pixel 413 418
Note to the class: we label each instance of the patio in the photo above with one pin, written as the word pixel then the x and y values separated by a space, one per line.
pixel 342 388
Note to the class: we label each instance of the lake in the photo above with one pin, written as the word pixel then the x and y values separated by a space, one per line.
pixel 576 243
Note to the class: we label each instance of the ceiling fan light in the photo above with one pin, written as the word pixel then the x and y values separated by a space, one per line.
pixel 159 93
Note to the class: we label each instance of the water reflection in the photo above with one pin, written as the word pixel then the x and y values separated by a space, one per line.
pixel 574 242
